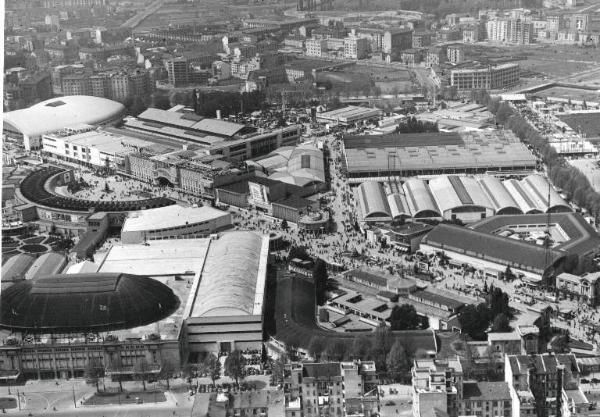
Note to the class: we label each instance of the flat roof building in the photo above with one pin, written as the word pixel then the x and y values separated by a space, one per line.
pixel 350 115
pixel 411 154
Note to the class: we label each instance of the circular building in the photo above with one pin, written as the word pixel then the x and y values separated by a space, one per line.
pixel 57 113
pixel 85 303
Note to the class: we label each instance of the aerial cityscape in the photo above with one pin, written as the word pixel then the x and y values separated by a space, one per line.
pixel 300 208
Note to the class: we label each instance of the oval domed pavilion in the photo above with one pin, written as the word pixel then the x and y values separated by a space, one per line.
pixel 85 302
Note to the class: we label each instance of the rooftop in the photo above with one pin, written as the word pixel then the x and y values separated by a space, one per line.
pixel 582 236
pixel 169 216
pixel 79 302
pixel 233 276
pixel 515 253
pixel 486 391
pixel 57 113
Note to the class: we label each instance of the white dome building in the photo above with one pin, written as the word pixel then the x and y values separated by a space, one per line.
pixel 28 125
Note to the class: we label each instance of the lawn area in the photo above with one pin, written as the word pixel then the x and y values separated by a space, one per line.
pixel 34 248
pixel 8 402
pixel 140 397
pixel 34 240
pixel 50 239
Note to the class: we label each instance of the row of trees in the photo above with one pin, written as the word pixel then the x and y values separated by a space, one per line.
pixel 412 125
pixel 572 181
pixel 392 355
pixel 475 320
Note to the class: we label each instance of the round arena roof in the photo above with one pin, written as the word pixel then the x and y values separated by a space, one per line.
pixel 85 302
pixel 58 113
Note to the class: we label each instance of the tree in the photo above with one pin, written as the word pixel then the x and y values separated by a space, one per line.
pixel 545 328
pixel 106 188
pixel 404 317
pixel 336 350
pixel 320 279
pixel 278 370
pixel 474 321
pixel 93 372
pixel 140 371
pixel 116 365
pixel 284 224
pixel 212 367
pixel 316 347
pixel 167 371
pixel 361 348
pixel 235 365
pixel 397 360
pixel 501 323
pixel 381 346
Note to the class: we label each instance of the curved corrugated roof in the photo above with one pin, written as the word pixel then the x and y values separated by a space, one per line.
pixel 47 264
pixel 228 284
pixel 16 267
pixel 57 113
pixel 500 198
pixel 540 187
pixel 452 191
pixel 476 193
pixel 444 193
pixel 420 200
pixel 398 205
pixel 372 200
pixel 521 196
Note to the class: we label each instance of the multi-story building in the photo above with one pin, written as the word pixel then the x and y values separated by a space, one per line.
pixel 510 30
pixel 455 54
pixel 395 41
pixel 264 403
pixel 67 4
pixel 102 53
pixel 355 48
pixel 470 34
pixel 76 85
pixel 178 70
pixel 436 55
pixel 439 385
pixel 64 54
pixel 448 35
pixel 62 70
pixel 335 389
pixel 411 56
pixel 539 383
pixel 316 47
pixel 373 35
pixel 421 39
pixel 99 85
pixel 119 87
pixel 585 288
pixel 485 77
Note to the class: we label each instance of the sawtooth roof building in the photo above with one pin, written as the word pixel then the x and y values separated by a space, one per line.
pixel 454 197
pixel 477 152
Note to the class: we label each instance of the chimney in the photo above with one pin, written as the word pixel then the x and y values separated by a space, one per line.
pixel 218 114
